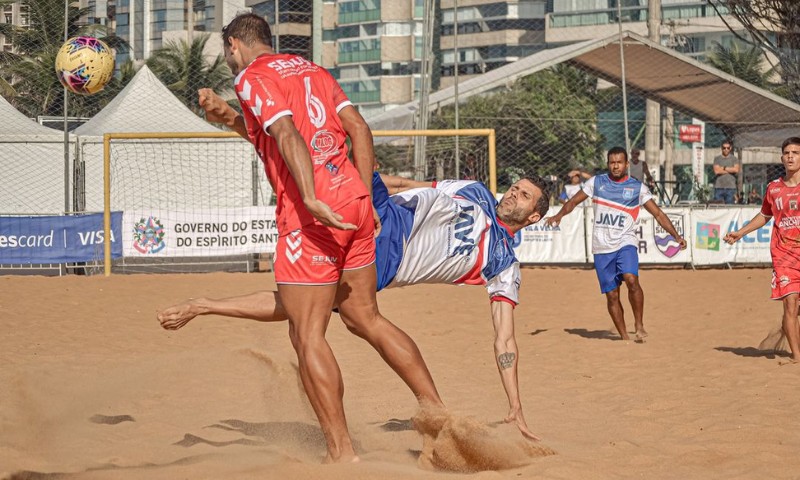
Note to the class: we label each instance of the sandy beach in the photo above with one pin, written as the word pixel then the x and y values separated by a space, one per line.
pixel 93 388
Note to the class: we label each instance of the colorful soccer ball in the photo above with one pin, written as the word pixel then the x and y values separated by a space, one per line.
pixel 84 65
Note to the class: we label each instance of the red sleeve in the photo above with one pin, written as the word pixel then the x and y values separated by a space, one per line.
pixel 766 205
pixel 339 97
pixel 259 93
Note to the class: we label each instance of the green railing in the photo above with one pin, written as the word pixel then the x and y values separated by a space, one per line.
pixel 632 14
pixel 372 96
pixel 360 56
pixel 359 17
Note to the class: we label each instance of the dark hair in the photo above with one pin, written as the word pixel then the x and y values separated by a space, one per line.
pixel 249 28
pixel 728 141
pixel 543 204
pixel 790 141
pixel 617 151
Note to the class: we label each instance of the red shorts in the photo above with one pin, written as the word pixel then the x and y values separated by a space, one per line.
pixel 785 281
pixel 316 254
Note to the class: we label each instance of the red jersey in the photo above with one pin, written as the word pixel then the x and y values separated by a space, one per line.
pixel 783 203
pixel 273 86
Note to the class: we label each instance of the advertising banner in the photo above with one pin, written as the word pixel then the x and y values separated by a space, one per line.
pixel 57 239
pixel 199 233
pixel 563 244
pixel 711 225
pixel 699 154
pixel 655 244
pixel 658 246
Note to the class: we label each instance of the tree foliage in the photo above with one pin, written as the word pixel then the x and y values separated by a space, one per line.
pixel 184 68
pixel 744 63
pixel 773 26
pixel 544 123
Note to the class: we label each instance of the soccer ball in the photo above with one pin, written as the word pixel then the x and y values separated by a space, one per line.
pixel 84 65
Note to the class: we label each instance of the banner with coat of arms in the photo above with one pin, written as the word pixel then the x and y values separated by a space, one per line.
pixel 199 233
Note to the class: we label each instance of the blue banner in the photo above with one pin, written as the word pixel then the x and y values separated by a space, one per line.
pixel 57 239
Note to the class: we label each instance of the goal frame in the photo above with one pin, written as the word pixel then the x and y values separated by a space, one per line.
pixel 109 137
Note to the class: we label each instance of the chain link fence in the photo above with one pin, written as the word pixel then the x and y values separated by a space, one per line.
pixel 431 64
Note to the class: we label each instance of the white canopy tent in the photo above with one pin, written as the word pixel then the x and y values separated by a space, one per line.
pixel 32 165
pixel 165 173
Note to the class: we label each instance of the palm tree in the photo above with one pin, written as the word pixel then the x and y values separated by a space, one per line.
pixel 747 64
pixel 27 75
pixel 184 69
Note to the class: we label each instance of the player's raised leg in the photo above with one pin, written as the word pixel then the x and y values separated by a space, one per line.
pixel 358 308
pixel 263 306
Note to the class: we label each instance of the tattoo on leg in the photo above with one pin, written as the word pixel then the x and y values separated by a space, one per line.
pixel 506 359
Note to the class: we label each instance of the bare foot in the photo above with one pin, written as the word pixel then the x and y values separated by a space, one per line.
pixel 353 458
pixel 516 417
pixel 791 361
pixel 176 316
pixel 640 335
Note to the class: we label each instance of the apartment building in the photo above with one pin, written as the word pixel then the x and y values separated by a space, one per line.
pixel 16 14
pixel 688 26
pixel 374 47
pixel 149 24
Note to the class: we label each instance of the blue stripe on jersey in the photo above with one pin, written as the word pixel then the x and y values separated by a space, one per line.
pixel 624 193
pixel 501 243
pixel 395 227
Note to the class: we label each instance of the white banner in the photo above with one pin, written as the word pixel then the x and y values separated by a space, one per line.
pixel 658 246
pixel 203 233
pixel 655 244
pixel 563 244
pixel 711 225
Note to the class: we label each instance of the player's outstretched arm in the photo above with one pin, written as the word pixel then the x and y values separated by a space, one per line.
pixel 506 356
pixel 261 306
pixel 664 221
pixel 568 207
pixel 755 223
pixel 295 154
pixel 397 184
pixel 218 111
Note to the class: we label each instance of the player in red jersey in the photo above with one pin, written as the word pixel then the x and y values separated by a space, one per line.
pixel 782 202
pixel 298 117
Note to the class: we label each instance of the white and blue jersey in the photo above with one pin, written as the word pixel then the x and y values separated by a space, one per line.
pixel 616 209
pixel 454 234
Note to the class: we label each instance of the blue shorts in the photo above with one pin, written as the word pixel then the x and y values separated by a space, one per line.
pixel 611 266
pixel 396 223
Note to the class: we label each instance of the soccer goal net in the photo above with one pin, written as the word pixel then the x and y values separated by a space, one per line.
pixel 200 202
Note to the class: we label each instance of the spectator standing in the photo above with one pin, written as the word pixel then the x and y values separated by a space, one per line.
pixel 726 167
pixel 638 169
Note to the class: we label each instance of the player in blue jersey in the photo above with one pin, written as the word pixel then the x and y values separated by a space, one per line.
pixel 617 198
pixel 447 232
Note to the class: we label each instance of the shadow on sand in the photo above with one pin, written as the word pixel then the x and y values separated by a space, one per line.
pixel 754 352
pixel 593 334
